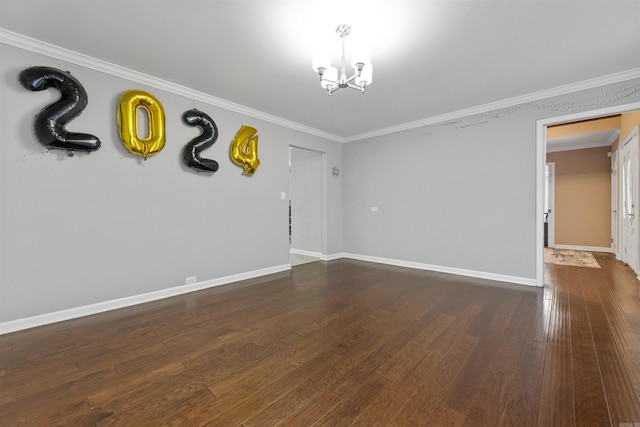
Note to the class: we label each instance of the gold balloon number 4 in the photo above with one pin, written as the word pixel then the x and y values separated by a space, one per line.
pixel 244 150
pixel 128 105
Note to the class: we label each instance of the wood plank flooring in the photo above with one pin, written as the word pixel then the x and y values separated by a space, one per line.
pixel 343 343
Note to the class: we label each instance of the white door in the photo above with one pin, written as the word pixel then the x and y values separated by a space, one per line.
pixel 614 204
pixel 629 189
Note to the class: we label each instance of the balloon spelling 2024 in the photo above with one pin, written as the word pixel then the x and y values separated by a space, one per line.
pixel 50 122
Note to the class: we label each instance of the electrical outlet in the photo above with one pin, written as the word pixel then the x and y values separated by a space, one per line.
pixel 190 280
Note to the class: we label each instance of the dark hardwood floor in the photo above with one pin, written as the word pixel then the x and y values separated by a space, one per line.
pixel 343 343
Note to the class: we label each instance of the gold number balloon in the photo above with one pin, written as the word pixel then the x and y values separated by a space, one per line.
pixel 244 150
pixel 128 105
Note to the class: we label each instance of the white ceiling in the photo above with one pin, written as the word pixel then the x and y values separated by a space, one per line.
pixel 430 57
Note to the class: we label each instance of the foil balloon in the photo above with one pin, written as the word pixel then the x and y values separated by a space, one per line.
pixel 244 150
pixel 128 105
pixel 50 122
pixel 208 136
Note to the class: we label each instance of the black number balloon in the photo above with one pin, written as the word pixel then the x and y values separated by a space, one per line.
pixel 50 122
pixel 209 135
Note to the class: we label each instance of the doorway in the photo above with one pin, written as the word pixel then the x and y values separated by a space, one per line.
pixel 541 155
pixel 306 205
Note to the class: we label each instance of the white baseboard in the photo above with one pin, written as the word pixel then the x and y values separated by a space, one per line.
pixel 442 269
pixel 335 256
pixel 72 313
pixel 320 255
pixel 306 253
pixel 582 248
pixel 59 316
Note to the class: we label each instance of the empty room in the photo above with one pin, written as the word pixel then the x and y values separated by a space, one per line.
pixel 302 213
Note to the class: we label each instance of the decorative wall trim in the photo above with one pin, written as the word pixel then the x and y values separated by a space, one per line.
pixel 442 269
pixel 72 313
pixel 505 103
pixel 57 52
pixel 583 248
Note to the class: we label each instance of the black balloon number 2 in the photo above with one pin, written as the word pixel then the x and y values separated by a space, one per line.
pixel 50 122
pixel 209 135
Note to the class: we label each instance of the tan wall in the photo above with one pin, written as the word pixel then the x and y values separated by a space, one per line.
pixel 582 197
pixel 585 126
pixel 628 122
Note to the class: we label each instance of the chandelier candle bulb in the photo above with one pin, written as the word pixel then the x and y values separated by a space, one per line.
pixel 329 78
pixel 321 59
pixel 366 76
pixel 360 54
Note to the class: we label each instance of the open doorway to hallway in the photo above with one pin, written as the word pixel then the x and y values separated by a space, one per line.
pixel 632 114
pixel 306 205
pixel 578 183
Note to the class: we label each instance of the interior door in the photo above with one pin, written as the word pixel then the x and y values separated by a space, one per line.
pixel 629 218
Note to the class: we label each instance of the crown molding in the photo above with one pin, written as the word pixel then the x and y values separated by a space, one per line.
pixel 581 144
pixel 505 103
pixel 57 52
pixel 615 136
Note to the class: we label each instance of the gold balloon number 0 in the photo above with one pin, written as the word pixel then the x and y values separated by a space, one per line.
pixel 128 105
pixel 244 150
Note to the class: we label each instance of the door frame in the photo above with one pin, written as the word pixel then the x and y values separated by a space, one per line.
pixel 551 229
pixel 323 227
pixel 615 238
pixel 541 159
pixel 626 240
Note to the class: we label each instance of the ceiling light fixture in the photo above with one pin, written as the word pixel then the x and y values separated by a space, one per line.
pixel 360 61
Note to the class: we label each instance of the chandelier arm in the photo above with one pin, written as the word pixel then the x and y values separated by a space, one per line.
pixel 356 87
pixel 351 79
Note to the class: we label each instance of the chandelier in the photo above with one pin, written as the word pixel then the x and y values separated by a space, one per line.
pixel 360 61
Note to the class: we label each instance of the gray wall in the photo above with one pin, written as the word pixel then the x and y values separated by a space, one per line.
pixel 457 195
pixel 94 228
pixel 108 225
